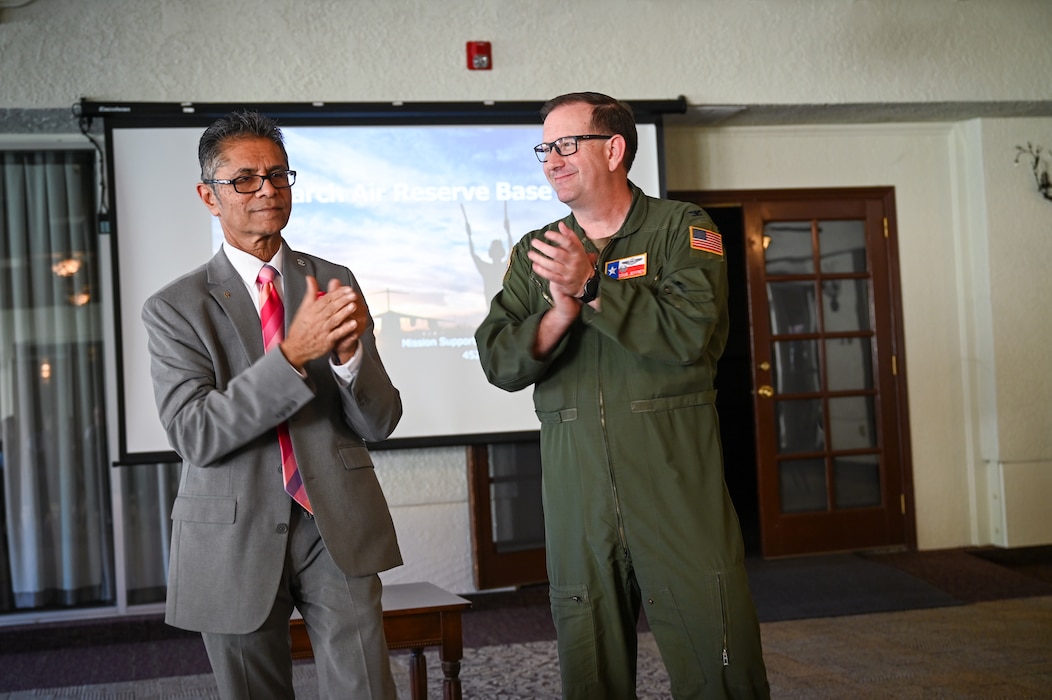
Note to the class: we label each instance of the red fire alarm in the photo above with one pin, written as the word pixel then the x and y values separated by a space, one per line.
pixel 480 55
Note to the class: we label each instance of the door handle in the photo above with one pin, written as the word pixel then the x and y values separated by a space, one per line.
pixel 766 391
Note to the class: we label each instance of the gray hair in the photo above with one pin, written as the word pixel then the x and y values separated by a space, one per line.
pixel 234 126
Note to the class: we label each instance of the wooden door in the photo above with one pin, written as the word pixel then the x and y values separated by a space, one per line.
pixel 507 519
pixel 828 376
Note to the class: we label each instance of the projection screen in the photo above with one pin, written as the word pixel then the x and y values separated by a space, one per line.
pixel 423 211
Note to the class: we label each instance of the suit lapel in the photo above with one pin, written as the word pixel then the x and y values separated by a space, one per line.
pixel 297 267
pixel 228 289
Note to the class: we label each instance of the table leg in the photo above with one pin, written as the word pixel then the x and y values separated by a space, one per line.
pixel 417 674
pixel 451 680
pixel 451 651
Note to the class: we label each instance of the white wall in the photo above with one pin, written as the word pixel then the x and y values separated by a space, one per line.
pixel 958 201
pixel 712 51
pixel 427 490
pixel 1007 253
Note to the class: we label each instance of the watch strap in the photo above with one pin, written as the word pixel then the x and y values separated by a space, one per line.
pixel 591 288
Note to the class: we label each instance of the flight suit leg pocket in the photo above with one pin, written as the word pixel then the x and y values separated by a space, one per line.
pixel 676 642
pixel 575 626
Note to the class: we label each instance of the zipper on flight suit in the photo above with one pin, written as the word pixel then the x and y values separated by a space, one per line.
pixel 622 538
pixel 613 482
pixel 723 618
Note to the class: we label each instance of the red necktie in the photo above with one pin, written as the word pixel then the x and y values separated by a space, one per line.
pixel 272 318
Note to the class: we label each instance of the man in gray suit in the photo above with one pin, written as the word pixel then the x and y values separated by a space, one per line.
pixel 244 553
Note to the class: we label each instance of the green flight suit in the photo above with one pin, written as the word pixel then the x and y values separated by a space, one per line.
pixel 635 505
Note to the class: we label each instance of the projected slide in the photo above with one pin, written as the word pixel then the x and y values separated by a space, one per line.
pixel 425 217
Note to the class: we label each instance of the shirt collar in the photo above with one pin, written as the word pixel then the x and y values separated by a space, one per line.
pixel 248 265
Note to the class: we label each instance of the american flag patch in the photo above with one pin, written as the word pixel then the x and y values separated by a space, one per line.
pixel 704 239
pixel 627 268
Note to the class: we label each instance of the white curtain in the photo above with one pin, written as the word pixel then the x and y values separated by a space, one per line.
pixel 148 492
pixel 56 498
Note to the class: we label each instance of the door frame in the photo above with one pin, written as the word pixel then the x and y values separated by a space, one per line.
pixel 743 199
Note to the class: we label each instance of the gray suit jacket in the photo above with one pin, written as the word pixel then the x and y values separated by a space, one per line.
pixel 219 398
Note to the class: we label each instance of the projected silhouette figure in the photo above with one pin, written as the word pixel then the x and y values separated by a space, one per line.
pixel 492 270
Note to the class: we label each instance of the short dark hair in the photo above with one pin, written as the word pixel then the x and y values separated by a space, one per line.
pixel 234 126
pixel 609 116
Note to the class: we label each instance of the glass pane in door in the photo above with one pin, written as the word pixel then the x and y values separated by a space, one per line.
pixel 842 246
pixel 857 481
pixel 849 364
pixel 852 423
pixel 795 368
pixel 787 248
pixel 845 305
pixel 802 485
pixel 515 496
pixel 792 307
pixel 800 426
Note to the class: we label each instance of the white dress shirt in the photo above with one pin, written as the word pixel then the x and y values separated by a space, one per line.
pixel 248 267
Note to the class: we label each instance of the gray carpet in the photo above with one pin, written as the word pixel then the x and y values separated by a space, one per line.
pixel 797 588
pixel 527 671
pixel 978 651
pixel 951 645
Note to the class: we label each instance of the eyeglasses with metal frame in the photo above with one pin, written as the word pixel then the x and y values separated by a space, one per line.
pixel 249 184
pixel 565 146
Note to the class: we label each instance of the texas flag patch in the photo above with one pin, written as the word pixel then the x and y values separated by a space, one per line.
pixel 627 268
pixel 704 239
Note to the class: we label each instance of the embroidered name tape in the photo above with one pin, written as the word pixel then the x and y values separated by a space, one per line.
pixel 627 268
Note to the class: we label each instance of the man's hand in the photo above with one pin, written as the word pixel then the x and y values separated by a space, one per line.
pixel 325 322
pixel 563 261
pixel 358 320
pixel 566 265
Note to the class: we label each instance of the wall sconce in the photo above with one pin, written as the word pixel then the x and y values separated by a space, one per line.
pixel 80 298
pixel 66 268
pixel 1038 165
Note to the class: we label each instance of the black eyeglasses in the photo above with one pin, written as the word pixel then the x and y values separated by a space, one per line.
pixel 247 184
pixel 566 146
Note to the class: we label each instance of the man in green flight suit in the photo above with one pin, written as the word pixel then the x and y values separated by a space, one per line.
pixel 617 315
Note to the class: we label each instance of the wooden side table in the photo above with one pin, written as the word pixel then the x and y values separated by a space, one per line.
pixel 416 615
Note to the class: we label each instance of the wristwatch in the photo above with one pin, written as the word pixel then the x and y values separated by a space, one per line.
pixel 591 289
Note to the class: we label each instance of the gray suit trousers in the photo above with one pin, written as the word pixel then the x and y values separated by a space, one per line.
pixel 343 617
